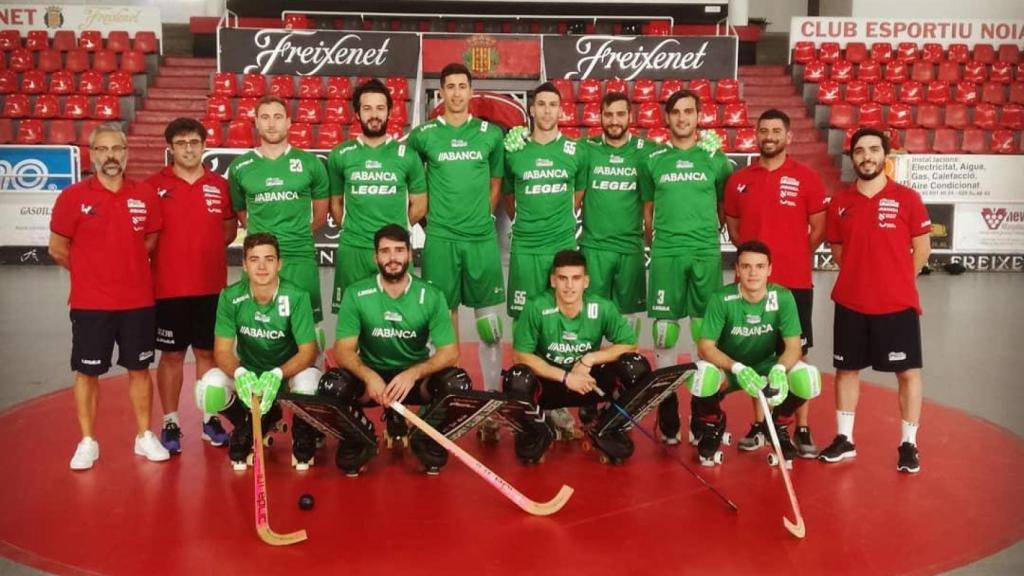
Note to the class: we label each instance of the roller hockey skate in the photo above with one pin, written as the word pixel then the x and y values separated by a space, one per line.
pixel 755 438
pixel 709 437
pixel 614 444
pixel 668 424
pixel 353 455
pixel 489 431
pixel 240 441
pixel 789 451
pixel 396 430
pixel 533 441
pixel 304 445
pixel 563 425
pixel 431 455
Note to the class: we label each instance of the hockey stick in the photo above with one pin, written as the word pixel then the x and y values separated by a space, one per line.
pixel 260 476
pixel 796 529
pixel 665 450
pixel 535 508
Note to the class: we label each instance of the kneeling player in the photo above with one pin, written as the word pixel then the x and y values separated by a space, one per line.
pixel 384 325
pixel 272 321
pixel 738 342
pixel 559 360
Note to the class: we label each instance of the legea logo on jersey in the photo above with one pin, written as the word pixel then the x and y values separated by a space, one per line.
pixel 568 336
pixel 684 165
pixel 544 163
pixel 753 319
pixel 392 316
pixel 274 181
pixel 373 165
pixel 261 317
pixel 457 143
pixel 614 159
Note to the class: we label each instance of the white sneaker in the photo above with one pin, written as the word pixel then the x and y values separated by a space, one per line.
pixel 87 452
pixel 147 445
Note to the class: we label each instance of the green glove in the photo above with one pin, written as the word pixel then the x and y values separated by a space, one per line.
pixel 269 382
pixel 749 380
pixel 246 383
pixel 778 385
pixel 515 139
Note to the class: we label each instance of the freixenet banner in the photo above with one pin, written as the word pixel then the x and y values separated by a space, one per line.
pixel 499 56
pixel 54 16
pixel 317 52
pixel 631 57
pixel 944 31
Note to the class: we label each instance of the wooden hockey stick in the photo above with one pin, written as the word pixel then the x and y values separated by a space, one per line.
pixel 795 528
pixel 535 508
pixel 260 477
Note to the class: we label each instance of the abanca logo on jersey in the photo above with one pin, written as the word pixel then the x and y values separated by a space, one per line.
pixel 459 156
pixel 266 334
pixel 746 331
pixel 284 196
pixel 393 333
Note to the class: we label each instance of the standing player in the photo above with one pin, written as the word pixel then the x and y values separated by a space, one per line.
pixel 464 158
pixel 102 230
pixel 264 336
pixel 384 326
pixel 780 202
pixel 559 359
pixel 880 237
pixel 189 270
pixel 739 342
pixel 682 185
pixel 282 190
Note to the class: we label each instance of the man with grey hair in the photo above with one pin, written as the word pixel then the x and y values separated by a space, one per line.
pixel 102 230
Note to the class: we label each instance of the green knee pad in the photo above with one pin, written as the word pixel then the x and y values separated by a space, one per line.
pixel 706 380
pixel 212 393
pixel 634 322
pixel 805 381
pixel 665 333
pixel 695 325
pixel 489 327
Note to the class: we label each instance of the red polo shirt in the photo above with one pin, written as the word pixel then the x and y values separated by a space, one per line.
pixel 109 263
pixel 190 258
pixel 773 206
pixel 877 275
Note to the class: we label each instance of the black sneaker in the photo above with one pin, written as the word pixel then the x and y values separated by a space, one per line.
pixel 839 450
pixel 908 459
pixel 805 443
pixel 754 438
pixel 789 451
pixel 170 437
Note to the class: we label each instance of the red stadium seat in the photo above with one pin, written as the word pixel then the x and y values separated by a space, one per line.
pixel 145 42
pixel 570 132
pixel 804 52
pixel 735 115
pixel 701 87
pixel 591 114
pixel 33 82
pixel 984 53
pixel 399 114
pixel 282 86
pixel 396 131
pixel 118 41
pixel 1001 72
pixel 37 40
pixel 133 61
pixel 958 53
pixel 1017 92
pixel 1009 53
pixel 922 72
pixel 85 130
pixel 938 92
pixel 76 107
pixel 239 134
pixel 355 129
pixel 956 115
pixel 870 114
pixel 398 87
pixel 339 87
pixel 225 84
pixel 708 116
pixel 949 71
pixel 49 60
pixel 76 60
pixel 828 92
pixel 309 112
pixel 985 116
pixel 929 116
pixel 932 53
pixel 8 81
pixel 329 136
pixel 594 131
pixel 857 92
pixel 9 40
pixel 339 111
pixel 300 135
pixel 974 142
pixel 727 91
pixel 966 93
pixel 218 108
pixel 62 82
pixel 746 140
pixel 842 116
pixel 856 52
pixel 915 141
pixel 30 131
pixel 16 106
pixel 644 90
pixel 120 84
pixel 881 52
pixel 814 71
pixel 214 132
pixel 896 71
pixel 869 71
pixel 842 71
pixel 107 108
pixel 311 87
pixel 1012 117
pixel 1002 142
pixel 45 106
pixel 61 132
pixel 90 40
pixel 906 52
pixel 669 87
pixel 616 85
pixel 253 85
pixel 829 52
pixel 901 116
pixel 946 141
pixel 297 22
pixel 911 92
pixel 649 115
pixel 6 130
pixel 976 72
pixel 993 93
pixel 659 135
pixel 64 40
pixel 565 90
pixel 568 115
pixel 883 93
pixel 246 109
pixel 20 60
pixel 723 135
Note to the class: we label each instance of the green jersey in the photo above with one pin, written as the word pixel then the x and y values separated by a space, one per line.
pixel 612 211
pixel 393 332
pixel 544 331
pixel 376 183
pixel 278 196
pixel 545 178
pixel 686 187
pixel 750 332
pixel 268 334
pixel 460 164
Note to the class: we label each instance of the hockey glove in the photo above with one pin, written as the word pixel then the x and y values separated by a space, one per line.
pixel 778 385
pixel 516 138
pixel 246 383
pixel 270 381
pixel 749 380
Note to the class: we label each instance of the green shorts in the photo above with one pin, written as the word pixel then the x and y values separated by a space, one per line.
pixel 681 286
pixel 350 266
pixel 528 276
pixel 467 272
pixel 620 278
pixel 304 273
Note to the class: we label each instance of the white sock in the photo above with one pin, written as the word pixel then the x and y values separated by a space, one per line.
pixel 909 431
pixel 171 417
pixel 665 357
pixel 490 365
pixel 844 424
pixel 207 416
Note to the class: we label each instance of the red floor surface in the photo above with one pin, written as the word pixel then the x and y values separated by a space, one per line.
pixel 194 515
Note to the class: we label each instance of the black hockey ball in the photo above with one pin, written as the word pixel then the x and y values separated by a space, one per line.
pixel 306 502
pixel 954 268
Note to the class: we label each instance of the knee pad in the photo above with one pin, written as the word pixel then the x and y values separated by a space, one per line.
pixel 448 381
pixel 488 325
pixel 695 326
pixel 213 391
pixel 804 381
pixel 665 333
pixel 635 321
pixel 341 385
pixel 521 383
pixel 305 382
pixel 630 368
pixel 706 380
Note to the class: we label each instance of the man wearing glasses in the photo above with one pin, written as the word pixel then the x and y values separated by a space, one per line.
pixel 189 270
pixel 102 230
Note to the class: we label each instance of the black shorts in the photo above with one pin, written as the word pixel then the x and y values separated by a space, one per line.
pixel 186 321
pixel 886 342
pixel 94 332
pixel 804 304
